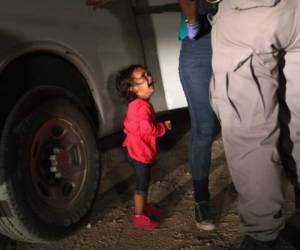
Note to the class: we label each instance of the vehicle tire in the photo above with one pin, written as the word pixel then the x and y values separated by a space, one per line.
pixel 49 167
pixel 7 244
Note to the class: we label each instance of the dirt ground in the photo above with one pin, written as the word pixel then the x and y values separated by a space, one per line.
pixel 171 188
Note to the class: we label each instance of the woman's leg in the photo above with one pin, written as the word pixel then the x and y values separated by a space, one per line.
pixel 195 74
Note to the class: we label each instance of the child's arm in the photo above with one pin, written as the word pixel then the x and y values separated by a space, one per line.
pixel 147 126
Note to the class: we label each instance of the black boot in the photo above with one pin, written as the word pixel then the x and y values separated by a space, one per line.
pixel 249 243
pixel 203 216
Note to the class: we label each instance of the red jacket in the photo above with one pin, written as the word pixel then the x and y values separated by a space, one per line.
pixel 142 129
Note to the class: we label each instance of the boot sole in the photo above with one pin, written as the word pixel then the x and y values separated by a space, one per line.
pixel 206 227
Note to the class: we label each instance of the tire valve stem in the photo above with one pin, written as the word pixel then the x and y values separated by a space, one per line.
pixel 52 157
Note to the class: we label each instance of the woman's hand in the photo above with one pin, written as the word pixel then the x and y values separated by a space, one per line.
pixel 97 3
pixel 189 9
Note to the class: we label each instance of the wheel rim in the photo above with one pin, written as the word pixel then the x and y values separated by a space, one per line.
pixel 58 164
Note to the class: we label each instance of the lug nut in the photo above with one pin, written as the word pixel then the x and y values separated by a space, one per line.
pixel 52 157
pixel 58 175
pixel 53 169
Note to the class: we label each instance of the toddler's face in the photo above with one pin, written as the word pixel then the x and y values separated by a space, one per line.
pixel 143 85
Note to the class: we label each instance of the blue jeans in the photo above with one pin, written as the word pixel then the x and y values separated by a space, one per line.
pixel 195 72
pixel 142 173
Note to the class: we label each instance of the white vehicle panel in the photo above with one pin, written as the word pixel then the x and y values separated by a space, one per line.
pixel 168 47
pixel 105 40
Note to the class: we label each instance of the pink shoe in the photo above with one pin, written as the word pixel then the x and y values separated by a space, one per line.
pixel 153 210
pixel 144 222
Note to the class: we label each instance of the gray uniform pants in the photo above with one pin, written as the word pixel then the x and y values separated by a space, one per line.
pixel 249 38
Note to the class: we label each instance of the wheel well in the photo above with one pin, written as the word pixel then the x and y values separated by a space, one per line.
pixel 39 69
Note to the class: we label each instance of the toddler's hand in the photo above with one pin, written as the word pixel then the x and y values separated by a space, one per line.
pixel 168 124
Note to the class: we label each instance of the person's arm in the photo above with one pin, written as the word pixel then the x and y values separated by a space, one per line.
pixel 97 3
pixel 190 11
pixel 193 30
pixel 147 127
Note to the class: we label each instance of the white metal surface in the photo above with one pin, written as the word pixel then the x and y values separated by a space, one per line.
pixel 100 42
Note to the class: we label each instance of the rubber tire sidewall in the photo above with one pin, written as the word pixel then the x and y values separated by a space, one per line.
pixel 24 223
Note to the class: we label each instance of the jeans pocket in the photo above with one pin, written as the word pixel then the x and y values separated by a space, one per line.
pixel 249 4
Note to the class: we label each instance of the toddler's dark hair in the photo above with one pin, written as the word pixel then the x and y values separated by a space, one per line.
pixel 124 82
